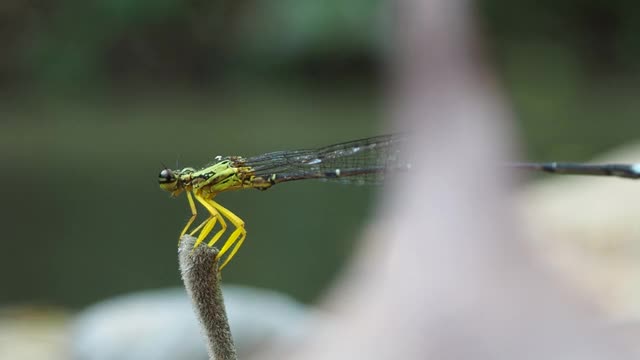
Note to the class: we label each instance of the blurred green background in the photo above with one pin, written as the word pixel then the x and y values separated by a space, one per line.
pixel 96 95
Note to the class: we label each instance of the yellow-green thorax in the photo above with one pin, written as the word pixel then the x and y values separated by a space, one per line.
pixel 225 175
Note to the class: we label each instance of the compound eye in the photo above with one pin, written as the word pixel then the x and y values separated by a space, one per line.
pixel 166 176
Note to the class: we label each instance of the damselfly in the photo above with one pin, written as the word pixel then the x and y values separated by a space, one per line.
pixel 365 161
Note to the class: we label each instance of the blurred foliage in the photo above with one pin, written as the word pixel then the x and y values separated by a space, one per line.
pixel 570 69
pixel 72 44
pixel 97 93
pixel 599 36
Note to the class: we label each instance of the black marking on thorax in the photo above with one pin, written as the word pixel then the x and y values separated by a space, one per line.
pixel 272 179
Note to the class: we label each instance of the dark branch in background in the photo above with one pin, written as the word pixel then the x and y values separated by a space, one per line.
pixel 199 269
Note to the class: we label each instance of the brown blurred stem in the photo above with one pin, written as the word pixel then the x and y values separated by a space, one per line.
pixel 199 269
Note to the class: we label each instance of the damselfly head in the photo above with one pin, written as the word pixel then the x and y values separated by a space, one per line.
pixel 169 181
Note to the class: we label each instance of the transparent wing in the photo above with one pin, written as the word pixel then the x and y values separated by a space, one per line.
pixel 365 161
